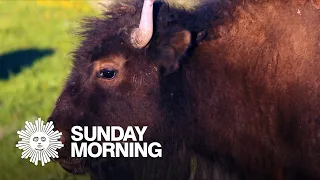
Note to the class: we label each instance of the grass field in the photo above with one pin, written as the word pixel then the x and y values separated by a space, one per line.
pixel 35 38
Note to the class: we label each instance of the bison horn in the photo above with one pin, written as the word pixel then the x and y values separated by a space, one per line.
pixel 142 35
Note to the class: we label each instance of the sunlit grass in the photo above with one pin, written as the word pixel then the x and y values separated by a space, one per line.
pixel 31 93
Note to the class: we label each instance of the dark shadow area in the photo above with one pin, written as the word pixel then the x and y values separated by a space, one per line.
pixel 13 62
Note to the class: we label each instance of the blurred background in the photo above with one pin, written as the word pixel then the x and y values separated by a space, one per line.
pixel 36 38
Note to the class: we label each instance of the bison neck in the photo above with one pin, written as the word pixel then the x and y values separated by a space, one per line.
pixel 256 95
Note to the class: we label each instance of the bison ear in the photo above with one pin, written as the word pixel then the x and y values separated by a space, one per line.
pixel 170 50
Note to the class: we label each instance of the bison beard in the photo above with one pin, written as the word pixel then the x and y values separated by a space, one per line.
pixel 230 89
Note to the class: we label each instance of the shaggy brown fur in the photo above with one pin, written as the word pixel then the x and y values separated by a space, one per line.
pixel 234 84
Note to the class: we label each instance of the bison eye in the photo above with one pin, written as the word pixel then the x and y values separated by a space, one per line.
pixel 107 73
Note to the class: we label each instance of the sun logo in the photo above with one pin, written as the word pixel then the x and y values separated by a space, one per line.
pixel 39 142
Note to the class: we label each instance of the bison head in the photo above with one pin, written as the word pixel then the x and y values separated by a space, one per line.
pixel 123 75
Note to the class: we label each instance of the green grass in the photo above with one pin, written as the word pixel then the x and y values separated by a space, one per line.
pixel 32 92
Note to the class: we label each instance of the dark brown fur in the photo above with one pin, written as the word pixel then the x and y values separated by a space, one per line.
pixel 235 85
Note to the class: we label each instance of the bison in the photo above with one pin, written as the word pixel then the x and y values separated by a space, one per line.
pixel 230 88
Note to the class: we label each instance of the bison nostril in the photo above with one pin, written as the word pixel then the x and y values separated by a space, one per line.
pixel 63 137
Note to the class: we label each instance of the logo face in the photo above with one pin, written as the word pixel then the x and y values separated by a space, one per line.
pixel 39 142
